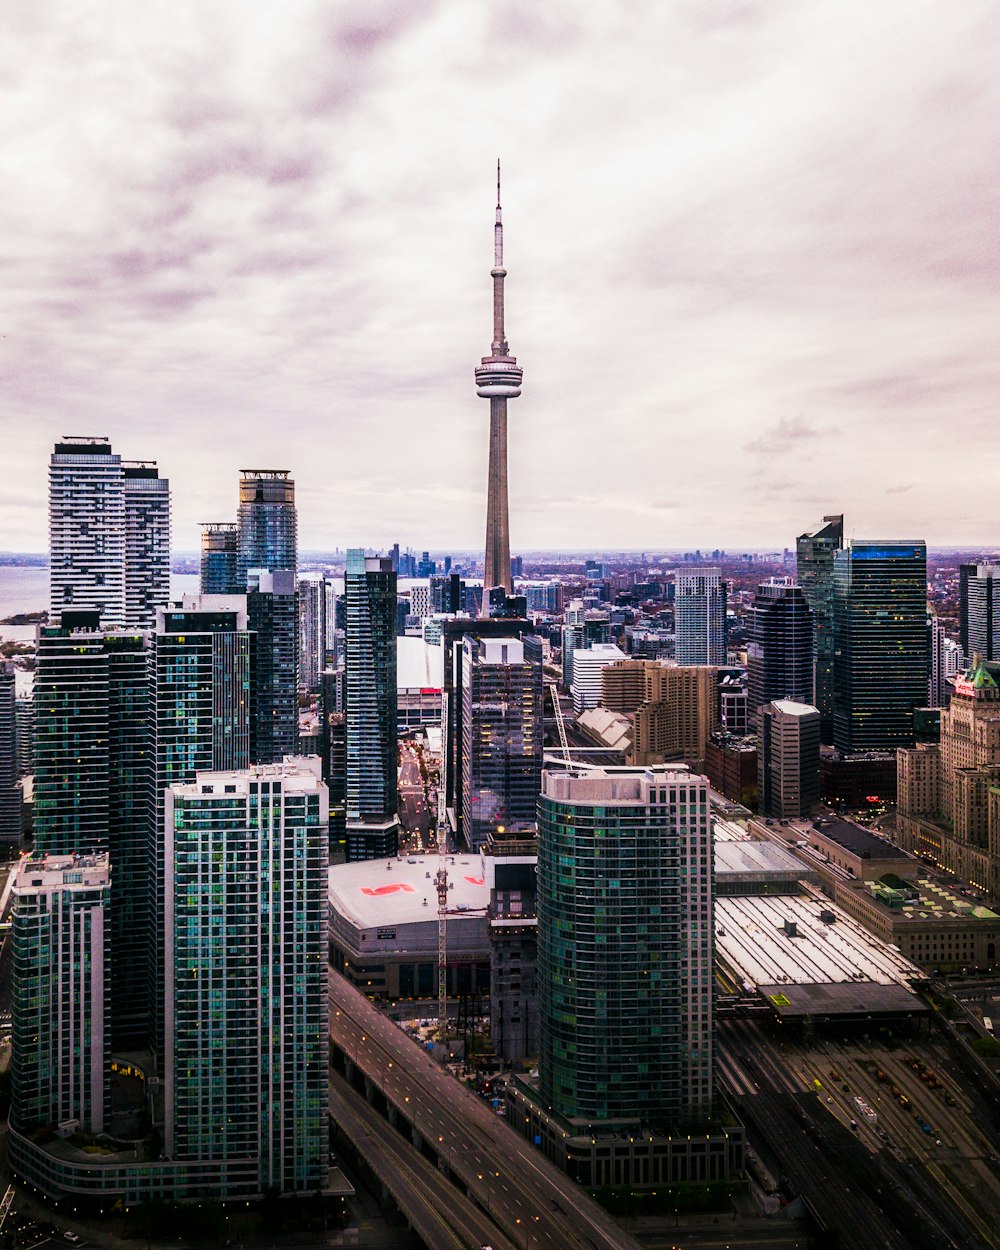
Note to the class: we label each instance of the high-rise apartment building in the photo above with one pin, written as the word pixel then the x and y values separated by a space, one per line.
pixel 625 946
pixel 93 782
pixel 245 1064
pixel 268 534
pixel 272 613
pixel 371 707
pixel 202 660
pixel 147 542
pixel 220 559
pixel 780 648
pixel 87 529
pixel 788 758
pixel 880 643
pixel 10 790
pixel 109 534
pixel 980 610
pixel 815 554
pixel 678 715
pixel 312 631
pixel 700 616
pixel 502 728
pixel 937 661
pixel 60 1002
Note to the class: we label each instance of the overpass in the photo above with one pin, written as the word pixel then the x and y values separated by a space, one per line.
pixel 486 1168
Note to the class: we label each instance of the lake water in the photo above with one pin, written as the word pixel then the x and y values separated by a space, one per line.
pixel 27 590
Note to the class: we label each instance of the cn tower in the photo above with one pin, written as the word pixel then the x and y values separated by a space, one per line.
pixel 498 378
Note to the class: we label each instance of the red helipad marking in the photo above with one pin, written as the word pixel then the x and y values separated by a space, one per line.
pixel 387 889
pixel 476 880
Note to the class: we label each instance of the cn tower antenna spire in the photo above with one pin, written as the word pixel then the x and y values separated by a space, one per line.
pixel 498 379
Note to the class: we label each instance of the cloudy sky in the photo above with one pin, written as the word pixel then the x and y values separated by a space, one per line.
pixel 753 258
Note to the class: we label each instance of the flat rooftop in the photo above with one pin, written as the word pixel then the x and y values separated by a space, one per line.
pixel 843 999
pixel 936 902
pixel 750 936
pixel 376 892
pixel 855 839
pixel 737 858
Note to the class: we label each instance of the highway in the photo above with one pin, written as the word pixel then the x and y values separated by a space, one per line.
pixel 439 1213
pixel 536 1205
pixel 888 1181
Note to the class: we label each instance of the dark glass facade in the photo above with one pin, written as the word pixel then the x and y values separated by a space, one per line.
pixel 880 643
pixel 780 649
pixel 502 735
pixel 815 553
pixel 370 705
pixel 220 559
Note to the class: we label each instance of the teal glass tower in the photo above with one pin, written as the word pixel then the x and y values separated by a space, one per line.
pixel 625 946
pixel 880 656
pixel 245 1066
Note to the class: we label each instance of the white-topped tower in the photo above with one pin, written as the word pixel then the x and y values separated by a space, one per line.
pixel 498 378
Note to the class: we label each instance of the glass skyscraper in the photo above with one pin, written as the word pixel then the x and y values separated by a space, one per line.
pixel 700 617
pixel 815 552
pixel 220 559
pixel 980 588
pixel 370 706
pixel 880 643
pixel 625 945
pixel 10 791
pixel 502 735
pixel 267 521
pixel 245 1062
pixel 780 647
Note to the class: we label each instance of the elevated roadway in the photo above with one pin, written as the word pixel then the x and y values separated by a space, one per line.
pixel 534 1205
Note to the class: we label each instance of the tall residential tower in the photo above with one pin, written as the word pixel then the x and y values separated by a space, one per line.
pixel 498 379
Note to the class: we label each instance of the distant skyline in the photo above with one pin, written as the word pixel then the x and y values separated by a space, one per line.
pixel 754 273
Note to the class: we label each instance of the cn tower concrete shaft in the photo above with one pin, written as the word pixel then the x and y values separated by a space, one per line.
pixel 497 572
pixel 498 379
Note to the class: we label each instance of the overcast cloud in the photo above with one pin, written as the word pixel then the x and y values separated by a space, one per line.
pixel 753 258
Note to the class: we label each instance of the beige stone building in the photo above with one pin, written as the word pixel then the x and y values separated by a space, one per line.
pixel 945 807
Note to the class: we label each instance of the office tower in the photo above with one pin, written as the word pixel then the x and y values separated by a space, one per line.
pixel 780 649
pixel 502 735
pixel 60 994
pixel 245 1063
pixel 700 616
pixel 370 693
pixel 517 566
pixel 272 610
pixel 10 791
pixel 147 542
pixel 980 610
pixel 815 554
pixel 587 665
pixel 453 635
pixel 788 758
pixel 87 529
pixel 880 643
pixel 446 593
pixel 426 567
pixel 312 631
pixel 498 378
pixel 734 711
pixel 965 572
pixel 94 783
pixel 202 660
pixel 501 604
pixel 220 559
pixel 625 946
pixel 267 521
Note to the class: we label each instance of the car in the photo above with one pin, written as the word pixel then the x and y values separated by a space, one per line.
pixel 73 1238
pixel 828 1098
